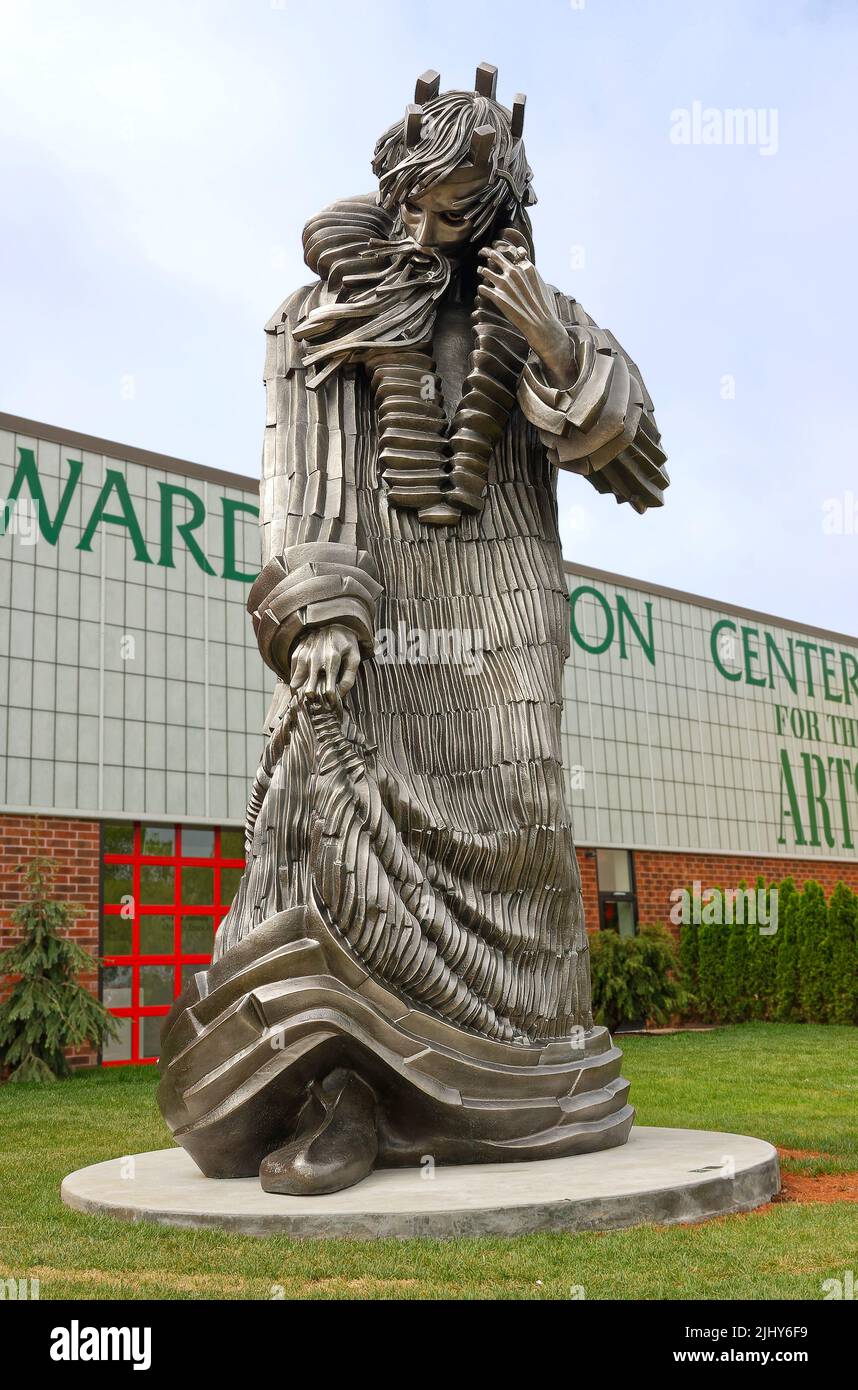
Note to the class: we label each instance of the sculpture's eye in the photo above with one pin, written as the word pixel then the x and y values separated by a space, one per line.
pixel 412 208
pixel 454 219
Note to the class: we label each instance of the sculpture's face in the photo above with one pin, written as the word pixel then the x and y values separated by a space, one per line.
pixel 440 217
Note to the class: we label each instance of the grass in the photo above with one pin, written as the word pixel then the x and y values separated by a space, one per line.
pixel 796 1085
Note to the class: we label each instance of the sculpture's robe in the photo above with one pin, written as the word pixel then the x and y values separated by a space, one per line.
pixel 411 904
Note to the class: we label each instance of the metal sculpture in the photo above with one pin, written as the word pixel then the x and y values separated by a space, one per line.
pixel 403 973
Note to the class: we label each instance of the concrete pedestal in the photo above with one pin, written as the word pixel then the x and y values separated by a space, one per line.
pixel 664 1176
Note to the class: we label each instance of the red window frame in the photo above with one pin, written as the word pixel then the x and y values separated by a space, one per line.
pixel 179 911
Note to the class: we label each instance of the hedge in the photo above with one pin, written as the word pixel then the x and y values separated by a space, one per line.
pixel 806 972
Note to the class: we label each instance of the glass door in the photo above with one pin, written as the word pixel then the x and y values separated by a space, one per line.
pixel 617 900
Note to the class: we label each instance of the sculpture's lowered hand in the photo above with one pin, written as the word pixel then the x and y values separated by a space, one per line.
pixel 324 666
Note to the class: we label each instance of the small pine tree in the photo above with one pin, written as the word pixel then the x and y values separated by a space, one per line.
pixel 787 1006
pixel 813 953
pixel 762 960
pixel 712 937
pixel 842 986
pixel 737 997
pixel 689 954
pixel 767 976
pixel 47 1010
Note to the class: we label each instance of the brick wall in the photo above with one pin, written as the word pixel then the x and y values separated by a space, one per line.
pixel 657 874
pixel 74 846
pixel 589 887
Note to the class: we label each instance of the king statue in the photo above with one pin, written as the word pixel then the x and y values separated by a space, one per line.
pixel 404 973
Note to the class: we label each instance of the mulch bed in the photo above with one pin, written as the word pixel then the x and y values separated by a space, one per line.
pixel 821 1187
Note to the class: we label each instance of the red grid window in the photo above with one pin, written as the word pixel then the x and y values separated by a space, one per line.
pixel 165 889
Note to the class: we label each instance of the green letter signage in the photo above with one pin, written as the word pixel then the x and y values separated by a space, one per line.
pixel 27 472
pixel 114 482
pixel 184 528
pixel 609 620
pixel 230 507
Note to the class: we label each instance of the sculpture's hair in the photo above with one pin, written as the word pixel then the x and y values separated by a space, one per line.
pixel 450 132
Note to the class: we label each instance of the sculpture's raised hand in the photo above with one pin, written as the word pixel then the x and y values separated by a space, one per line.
pixel 510 281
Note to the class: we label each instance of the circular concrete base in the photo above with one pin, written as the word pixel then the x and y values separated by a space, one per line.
pixel 660 1175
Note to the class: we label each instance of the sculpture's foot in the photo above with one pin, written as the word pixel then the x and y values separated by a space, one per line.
pixel 335 1144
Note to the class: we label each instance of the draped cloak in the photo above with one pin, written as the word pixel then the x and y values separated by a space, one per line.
pixel 411 905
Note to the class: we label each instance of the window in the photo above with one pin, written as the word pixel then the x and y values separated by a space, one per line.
pixel 165 890
pixel 617 902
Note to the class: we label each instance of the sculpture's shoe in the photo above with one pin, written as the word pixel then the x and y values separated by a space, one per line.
pixel 335 1144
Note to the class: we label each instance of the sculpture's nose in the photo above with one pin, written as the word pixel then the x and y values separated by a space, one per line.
pixel 426 231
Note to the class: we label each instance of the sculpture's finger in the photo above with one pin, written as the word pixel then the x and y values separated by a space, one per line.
pixel 300 670
pixel 489 276
pixel 516 288
pixel 348 671
pixel 507 306
pixel 498 255
pixel 330 676
pixel 492 297
pixel 290 718
pixel 311 686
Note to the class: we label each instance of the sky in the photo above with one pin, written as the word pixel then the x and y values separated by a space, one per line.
pixel 158 162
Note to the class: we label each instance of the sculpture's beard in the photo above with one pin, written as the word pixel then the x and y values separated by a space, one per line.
pixel 376 305
pixel 379 291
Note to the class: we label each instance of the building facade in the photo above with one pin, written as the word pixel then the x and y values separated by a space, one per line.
pixel 702 742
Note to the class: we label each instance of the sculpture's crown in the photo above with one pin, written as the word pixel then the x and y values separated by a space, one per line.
pixel 428 85
pixel 444 132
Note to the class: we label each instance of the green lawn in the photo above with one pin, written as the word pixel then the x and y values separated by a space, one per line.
pixel 794 1085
